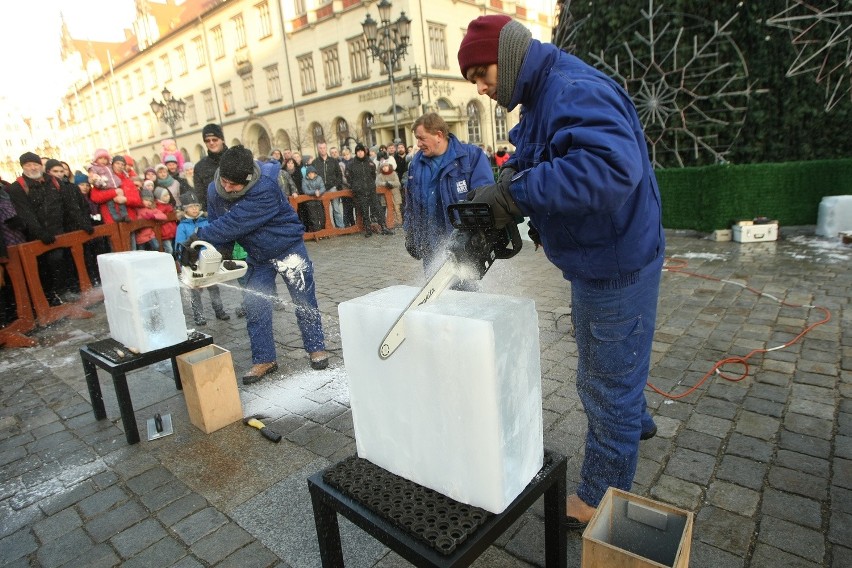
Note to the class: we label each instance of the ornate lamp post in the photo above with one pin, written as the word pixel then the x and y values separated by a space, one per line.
pixel 388 43
pixel 170 110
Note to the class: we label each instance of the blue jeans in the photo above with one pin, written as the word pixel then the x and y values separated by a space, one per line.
pixel 337 212
pixel 614 329
pixel 298 273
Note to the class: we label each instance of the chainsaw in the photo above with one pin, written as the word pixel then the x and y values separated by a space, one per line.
pixel 210 269
pixel 473 247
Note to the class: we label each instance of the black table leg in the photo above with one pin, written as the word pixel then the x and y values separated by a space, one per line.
pixel 125 405
pixel 91 374
pixel 176 373
pixel 328 531
pixel 555 536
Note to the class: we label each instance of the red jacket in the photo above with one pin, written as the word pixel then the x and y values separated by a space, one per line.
pixel 103 196
pixel 168 230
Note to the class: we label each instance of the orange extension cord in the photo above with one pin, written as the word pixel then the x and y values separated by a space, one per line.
pixel 678 266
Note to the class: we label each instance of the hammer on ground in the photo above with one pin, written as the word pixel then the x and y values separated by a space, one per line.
pixel 254 422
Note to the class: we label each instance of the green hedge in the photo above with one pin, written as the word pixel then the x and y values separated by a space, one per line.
pixel 713 197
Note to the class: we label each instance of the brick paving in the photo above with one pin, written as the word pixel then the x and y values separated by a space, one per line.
pixel 765 463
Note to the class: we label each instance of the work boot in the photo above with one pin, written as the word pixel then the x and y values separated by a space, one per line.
pixel 240 312
pixel 368 233
pixel 200 320
pixel 259 371
pixel 221 314
pixel 319 360
pixel 386 231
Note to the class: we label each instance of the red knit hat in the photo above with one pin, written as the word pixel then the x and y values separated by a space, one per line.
pixel 480 43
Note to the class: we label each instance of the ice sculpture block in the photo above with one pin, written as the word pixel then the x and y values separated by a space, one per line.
pixel 834 215
pixel 457 407
pixel 142 299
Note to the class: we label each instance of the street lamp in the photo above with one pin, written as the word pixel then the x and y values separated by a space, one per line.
pixel 388 43
pixel 170 110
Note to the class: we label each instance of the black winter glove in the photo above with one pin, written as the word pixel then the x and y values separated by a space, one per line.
pixel 16 223
pixel 500 199
pixel 411 247
pixel 48 238
pixel 188 254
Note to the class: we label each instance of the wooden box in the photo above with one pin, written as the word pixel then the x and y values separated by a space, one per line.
pixel 210 388
pixel 630 531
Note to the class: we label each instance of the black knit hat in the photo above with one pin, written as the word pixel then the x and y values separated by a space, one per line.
pixel 189 198
pixel 118 158
pixel 212 130
pixel 361 147
pixel 51 163
pixel 237 165
pixel 28 157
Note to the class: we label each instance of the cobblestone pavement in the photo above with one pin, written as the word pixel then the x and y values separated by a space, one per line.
pixel 765 463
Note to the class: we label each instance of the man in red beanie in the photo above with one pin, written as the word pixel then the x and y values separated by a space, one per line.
pixel 581 173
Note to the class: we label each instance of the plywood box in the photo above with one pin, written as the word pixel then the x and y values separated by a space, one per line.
pixel 630 531
pixel 756 233
pixel 210 388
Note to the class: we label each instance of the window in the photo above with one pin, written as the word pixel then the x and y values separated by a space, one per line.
pixel 359 59
pixel 181 60
pixel 218 42
pixel 248 91
pixel 239 31
pixel 140 80
pixel 318 133
pixel 474 129
pixel 367 130
pixel 165 68
pixel 331 67
pixel 128 86
pixel 273 83
pixel 342 132
pixel 306 74
pixel 191 112
pixel 152 125
pixel 198 51
pixel 299 7
pixel 263 20
pixel 209 109
pixel 227 98
pixel 500 129
pixel 151 72
pixel 438 46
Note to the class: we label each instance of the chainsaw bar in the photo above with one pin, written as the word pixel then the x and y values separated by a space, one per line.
pixel 446 276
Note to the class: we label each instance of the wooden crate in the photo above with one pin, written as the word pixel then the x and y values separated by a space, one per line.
pixel 210 388
pixel 630 531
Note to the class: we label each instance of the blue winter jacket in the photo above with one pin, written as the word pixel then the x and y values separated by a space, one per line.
pixel 465 167
pixel 261 220
pixel 186 228
pixel 585 178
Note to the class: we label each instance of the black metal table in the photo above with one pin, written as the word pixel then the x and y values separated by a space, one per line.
pixel 423 526
pixel 118 360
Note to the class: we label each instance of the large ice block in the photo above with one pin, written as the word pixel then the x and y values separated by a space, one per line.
pixel 142 299
pixel 457 408
pixel 834 215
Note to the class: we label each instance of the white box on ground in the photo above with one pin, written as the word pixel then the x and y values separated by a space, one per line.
pixel 834 216
pixel 457 407
pixel 142 299
pixel 756 233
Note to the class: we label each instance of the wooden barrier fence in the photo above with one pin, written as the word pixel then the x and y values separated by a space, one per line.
pixel 330 230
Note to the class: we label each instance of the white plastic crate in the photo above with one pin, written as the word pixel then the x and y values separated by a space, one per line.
pixel 756 233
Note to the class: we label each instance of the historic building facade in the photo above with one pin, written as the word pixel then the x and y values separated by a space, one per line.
pixel 279 74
